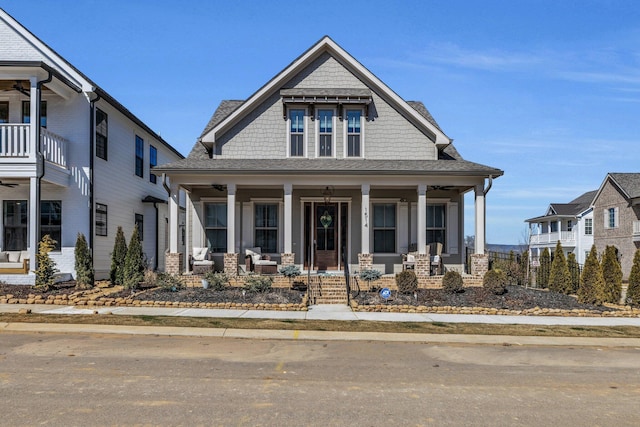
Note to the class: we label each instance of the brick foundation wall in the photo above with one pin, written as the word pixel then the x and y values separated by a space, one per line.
pixel 231 264
pixel 479 264
pixel 287 259
pixel 173 263
pixel 365 261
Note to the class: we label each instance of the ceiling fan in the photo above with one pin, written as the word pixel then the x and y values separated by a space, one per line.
pixel 440 187
pixel 8 184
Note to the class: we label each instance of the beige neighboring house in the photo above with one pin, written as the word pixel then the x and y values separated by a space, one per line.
pixel 327 168
pixel 616 216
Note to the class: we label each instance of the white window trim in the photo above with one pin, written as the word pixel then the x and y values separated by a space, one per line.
pixel 616 218
pixel 280 204
pixel 385 201
pixel 305 138
pixel 345 139
pixel 203 222
pixel 333 132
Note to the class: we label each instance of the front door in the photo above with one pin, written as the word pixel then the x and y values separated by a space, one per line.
pixel 326 236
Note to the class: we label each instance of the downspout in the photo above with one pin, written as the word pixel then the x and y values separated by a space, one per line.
pixel 155 264
pixel 484 193
pixel 92 139
pixel 40 173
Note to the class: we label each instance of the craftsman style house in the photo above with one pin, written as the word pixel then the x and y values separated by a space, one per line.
pixel 325 167
pixel 570 223
pixel 72 160
pixel 616 217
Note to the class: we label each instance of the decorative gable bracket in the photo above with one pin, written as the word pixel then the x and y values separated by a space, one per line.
pixel 338 97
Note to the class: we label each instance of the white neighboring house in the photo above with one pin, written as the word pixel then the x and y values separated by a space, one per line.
pixel 570 223
pixel 72 160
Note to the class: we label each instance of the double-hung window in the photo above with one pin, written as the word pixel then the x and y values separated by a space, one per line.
pixel 4 111
pixel 139 223
pixel 26 113
pixel 354 133
pixel 139 156
pixel 588 226
pixel 611 218
pixel 325 133
pixel 15 225
pixel 102 132
pixel 266 227
pixel 384 227
pixel 215 226
pixel 296 133
pixel 101 219
pixel 153 162
pixel 51 221
pixel 436 223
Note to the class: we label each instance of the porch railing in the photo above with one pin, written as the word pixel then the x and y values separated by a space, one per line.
pixel 15 142
pixel 565 237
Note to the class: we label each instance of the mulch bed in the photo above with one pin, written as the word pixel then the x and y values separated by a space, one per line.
pixel 516 298
pixel 231 295
pixel 22 291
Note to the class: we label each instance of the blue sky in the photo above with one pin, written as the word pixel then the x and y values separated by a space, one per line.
pixel 547 90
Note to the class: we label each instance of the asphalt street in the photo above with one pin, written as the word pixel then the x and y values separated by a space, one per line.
pixel 110 379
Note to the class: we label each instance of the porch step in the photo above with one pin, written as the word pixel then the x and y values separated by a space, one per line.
pixel 328 291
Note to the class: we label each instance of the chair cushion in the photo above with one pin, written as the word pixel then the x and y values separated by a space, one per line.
pixel 14 256
pixel 4 256
pixel 199 254
pixel 411 258
pixel 435 259
pixel 203 262
pixel 265 262
pixel 254 253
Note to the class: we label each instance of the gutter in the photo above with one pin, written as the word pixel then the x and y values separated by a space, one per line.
pixel 39 155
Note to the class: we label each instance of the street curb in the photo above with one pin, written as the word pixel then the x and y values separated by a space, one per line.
pixel 299 335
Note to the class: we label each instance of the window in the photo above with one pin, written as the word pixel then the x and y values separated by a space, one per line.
pixel 102 130
pixel 266 227
pixel 353 133
pixel 101 219
pixel 436 223
pixel 588 226
pixel 153 162
pixel 4 112
pixel 553 227
pixel 15 225
pixel 139 222
pixel 26 113
pixel 569 225
pixel 384 227
pixel 611 218
pixel 325 133
pixel 139 156
pixel 51 221
pixel 296 133
pixel 215 226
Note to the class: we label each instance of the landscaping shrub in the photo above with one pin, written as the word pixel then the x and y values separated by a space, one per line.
pixel 169 282
pixel 452 283
pixel 612 275
pixel 45 273
pixel 542 277
pixel 559 277
pixel 574 272
pixel 119 254
pixel 523 277
pixel 633 291
pixel 407 282
pixel 83 264
pixel 370 276
pixel 150 277
pixel 591 289
pixel 290 271
pixel 495 281
pixel 134 264
pixel 217 281
pixel 257 284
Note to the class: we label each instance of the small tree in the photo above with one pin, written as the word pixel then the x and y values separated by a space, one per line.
pixel 290 271
pixel 370 276
pixel 45 273
pixel 591 289
pixel 559 277
pixel 633 291
pixel 574 272
pixel 116 273
pixel 524 278
pixel 134 264
pixel 612 275
pixel 495 281
pixel 83 264
pixel 545 269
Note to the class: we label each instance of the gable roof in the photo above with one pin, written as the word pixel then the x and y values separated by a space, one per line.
pixel 325 45
pixel 627 183
pixel 70 75
pixel 573 209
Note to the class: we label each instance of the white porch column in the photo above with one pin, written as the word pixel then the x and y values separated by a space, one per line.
pixel 188 212
pixel 34 221
pixel 365 220
pixel 34 115
pixel 174 214
pixel 288 218
pixel 480 219
pixel 422 219
pixel 231 218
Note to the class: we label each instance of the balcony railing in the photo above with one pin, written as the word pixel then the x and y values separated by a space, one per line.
pixel 15 142
pixel 565 237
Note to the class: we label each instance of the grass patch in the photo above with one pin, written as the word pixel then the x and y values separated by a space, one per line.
pixel 329 325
